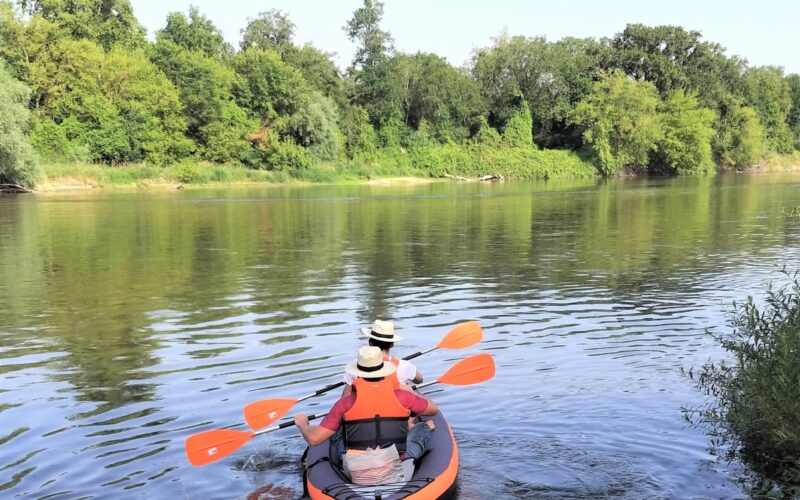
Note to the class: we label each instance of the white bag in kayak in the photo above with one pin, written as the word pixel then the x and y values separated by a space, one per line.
pixel 371 467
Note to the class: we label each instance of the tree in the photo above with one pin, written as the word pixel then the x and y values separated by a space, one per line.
pixel 117 104
pixel 373 44
pixel 550 77
pixel 269 86
pixel 793 119
pixel 18 163
pixel 270 30
pixel 195 33
pixel 740 137
pixel 318 70
pixel 106 22
pixel 769 93
pixel 685 143
pixel 619 120
pixel 206 91
pixel 518 131
pixel 314 126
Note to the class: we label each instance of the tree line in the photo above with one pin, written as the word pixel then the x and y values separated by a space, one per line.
pixel 79 81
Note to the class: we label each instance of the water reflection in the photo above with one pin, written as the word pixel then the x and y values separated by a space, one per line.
pixel 134 319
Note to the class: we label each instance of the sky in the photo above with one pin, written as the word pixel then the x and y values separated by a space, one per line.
pixel 765 32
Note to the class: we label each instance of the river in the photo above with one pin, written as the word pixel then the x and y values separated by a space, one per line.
pixel 131 320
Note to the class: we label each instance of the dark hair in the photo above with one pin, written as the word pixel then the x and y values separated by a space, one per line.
pixel 380 344
pixel 373 379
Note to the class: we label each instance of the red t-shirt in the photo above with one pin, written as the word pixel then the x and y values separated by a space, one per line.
pixel 333 420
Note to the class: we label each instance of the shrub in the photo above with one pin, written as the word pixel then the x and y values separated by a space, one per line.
pixel 753 414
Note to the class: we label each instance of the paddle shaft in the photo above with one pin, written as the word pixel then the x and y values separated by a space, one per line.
pixel 290 423
pixel 340 384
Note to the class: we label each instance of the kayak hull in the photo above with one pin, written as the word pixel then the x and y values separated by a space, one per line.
pixel 433 478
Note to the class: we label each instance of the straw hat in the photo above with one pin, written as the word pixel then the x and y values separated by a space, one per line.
pixel 383 331
pixel 370 364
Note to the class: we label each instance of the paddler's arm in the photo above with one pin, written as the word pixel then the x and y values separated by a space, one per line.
pixel 348 390
pixel 313 435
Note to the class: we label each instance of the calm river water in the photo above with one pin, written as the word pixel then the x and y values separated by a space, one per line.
pixel 132 320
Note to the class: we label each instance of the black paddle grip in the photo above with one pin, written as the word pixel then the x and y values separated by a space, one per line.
pixel 328 388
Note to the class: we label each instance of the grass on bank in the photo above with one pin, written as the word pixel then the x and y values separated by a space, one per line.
pixel 426 162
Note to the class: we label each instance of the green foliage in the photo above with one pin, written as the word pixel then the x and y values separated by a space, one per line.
pixel 487 134
pixel 424 87
pixel 359 136
pixel 117 104
pixel 314 126
pixel 18 163
pixel 105 22
pixel 753 413
pixel 287 156
pixel 551 77
pixel 770 94
pixel 373 44
pixel 51 143
pixel 518 132
pixel 269 85
pixel 215 122
pixel 318 70
pixel 270 30
pixel 740 138
pixel 793 118
pixel 686 132
pixel 620 122
pixel 226 139
pixel 195 33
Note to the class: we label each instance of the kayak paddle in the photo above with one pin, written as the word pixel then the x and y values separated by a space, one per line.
pixel 263 413
pixel 209 446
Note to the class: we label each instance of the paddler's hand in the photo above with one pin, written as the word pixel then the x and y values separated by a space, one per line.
pixel 301 421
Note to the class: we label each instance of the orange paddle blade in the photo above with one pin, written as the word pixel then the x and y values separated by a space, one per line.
pixel 462 336
pixel 263 413
pixel 210 446
pixel 472 370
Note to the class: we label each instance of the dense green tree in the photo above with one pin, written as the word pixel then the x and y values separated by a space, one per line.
pixel 518 130
pixel 793 119
pixel 195 33
pixel 620 122
pixel 269 87
pixel 373 44
pixel 740 137
pixel 270 30
pixel 117 104
pixel 684 146
pixel 413 88
pixel 106 22
pixel 206 92
pixel 315 126
pixel 318 70
pixel 359 135
pixel 551 77
pixel 769 93
pixel 17 162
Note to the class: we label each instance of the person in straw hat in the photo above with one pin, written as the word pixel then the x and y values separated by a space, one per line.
pixel 383 336
pixel 375 415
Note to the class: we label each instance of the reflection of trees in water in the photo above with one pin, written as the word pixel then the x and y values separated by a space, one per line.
pixel 98 269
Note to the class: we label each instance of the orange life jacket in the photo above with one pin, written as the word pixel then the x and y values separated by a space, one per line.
pixel 377 418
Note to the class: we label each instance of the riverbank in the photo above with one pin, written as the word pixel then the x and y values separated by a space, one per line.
pixel 383 167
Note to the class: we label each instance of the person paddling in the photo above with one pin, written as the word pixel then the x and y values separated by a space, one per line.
pixel 374 417
pixel 382 336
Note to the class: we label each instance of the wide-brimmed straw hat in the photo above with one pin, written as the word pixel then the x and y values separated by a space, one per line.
pixel 370 364
pixel 383 331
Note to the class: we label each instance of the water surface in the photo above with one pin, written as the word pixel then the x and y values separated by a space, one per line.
pixel 132 320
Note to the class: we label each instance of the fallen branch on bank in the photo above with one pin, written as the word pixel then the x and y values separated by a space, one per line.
pixel 14 188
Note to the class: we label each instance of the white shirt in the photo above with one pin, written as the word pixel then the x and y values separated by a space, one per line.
pixel 405 373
